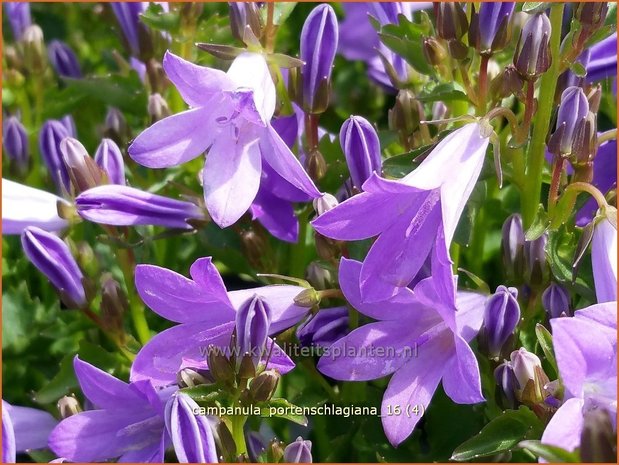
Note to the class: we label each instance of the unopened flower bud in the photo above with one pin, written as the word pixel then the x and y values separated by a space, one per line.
pixel 254 243
pixel 509 82
pixel 83 171
pixel 225 442
pixel 244 15
pixel 63 60
pixel 52 257
pixel 315 164
pixel 18 14
pixel 299 451
pixel 15 142
pixel 114 304
pixel 135 34
pixel 189 377
pixel 507 383
pixel 584 145
pixel 529 375
pixel 110 160
pixel 405 115
pixel 591 14
pixel 116 126
pixel 51 135
pixel 68 406
pixel 69 123
pixel 307 298
pixel 319 38
pixel 324 204
pixel 512 246
pixel 556 301
pixel 598 441
pixel 219 365
pixel 326 248
pixel 535 260
pixel 361 148
pixel 157 108
pixel 490 28
pixel 35 58
pixel 318 276
pixel 451 21
pixel 439 111
pixel 532 57
pixel 434 51
pixel 573 109
pixel 501 316
pixel 253 321
pixel 264 385
pixel 275 451
pixel 324 328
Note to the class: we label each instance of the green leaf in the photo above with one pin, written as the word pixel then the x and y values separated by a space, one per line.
pixel 60 384
pixel 578 69
pixel 545 341
pixel 406 39
pixel 161 20
pixel 204 393
pixel 535 7
pixel 281 12
pixel 500 435
pixel 446 92
pixel 17 318
pixel 399 166
pixel 540 223
pixel 550 453
pixel 281 408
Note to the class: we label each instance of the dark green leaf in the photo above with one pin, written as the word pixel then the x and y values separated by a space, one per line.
pixel 550 453
pixel 545 341
pixel 535 7
pixel 443 92
pixel 204 393
pixel 158 19
pixel 281 408
pixel 540 223
pixel 59 385
pixel 399 166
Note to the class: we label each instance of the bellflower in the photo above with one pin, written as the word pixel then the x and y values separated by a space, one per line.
pixel 604 260
pixel 24 206
pixel 573 109
pixel 604 178
pixel 51 134
pixel 15 141
pixel 231 114
pixel 110 159
pixel 586 351
pixel 603 59
pixel 253 321
pixel 63 60
pixel 133 29
pixel 532 57
pixel 120 205
pixel 324 328
pixel 299 451
pixel 361 148
pixel 19 17
pixel 420 349
pixel 501 316
pixel 414 217
pixel 489 28
pixel 132 422
pixel 52 257
pixel 23 429
pixel 206 312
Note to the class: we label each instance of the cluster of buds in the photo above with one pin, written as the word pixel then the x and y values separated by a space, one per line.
pixel 501 316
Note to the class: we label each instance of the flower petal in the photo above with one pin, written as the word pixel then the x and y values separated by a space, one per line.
pixel 461 380
pixel 604 260
pixel 565 426
pixel 231 176
pixel 276 215
pixel 604 314
pixel 31 427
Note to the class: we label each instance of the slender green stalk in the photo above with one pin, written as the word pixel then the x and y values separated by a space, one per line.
pixel 136 310
pixel 298 251
pixel 535 160
pixel 238 434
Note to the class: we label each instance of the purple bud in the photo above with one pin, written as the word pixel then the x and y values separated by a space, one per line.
pixel 325 203
pixel 63 60
pixel 69 123
pixel 116 126
pixel 83 171
pixel 52 133
pixel 53 258
pixel 556 301
pixel 253 321
pixel 128 17
pixel 530 376
pixel 110 159
pixel 451 21
pixel 190 433
pixel 501 316
pixel 19 17
pixel 573 109
pixel 490 27
pixel 532 56
pixel 15 141
pixel 506 380
pixel 512 246
pixel 299 451
pixel 324 328
pixel 361 147
pixel 535 260
pixel 118 205
pixel 318 46
pixel 244 15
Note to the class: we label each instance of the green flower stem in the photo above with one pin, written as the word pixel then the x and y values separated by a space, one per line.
pixel 127 264
pixel 238 434
pixel 535 160
pixel 299 251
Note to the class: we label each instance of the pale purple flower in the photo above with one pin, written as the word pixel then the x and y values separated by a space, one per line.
pixel 15 141
pixel 361 148
pixel 604 178
pixel 52 257
pixel 206 312
pixel 231 114
pixel 299 451
pixel 120 205
pixel 574 107
pixel 19 17
pixel 603 59
pixel 23 428
pixel 604 260
pixel 412 341
pixel 109 157
pixel 132 422
pixel 324 328
pixel 414 217
pixel 501 316
pixel 24 206
pixel 253 322
pixel 51 134
pixel 64 60
pixel 586 351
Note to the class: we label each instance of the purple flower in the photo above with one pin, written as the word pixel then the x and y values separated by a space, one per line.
pixel 206 312
pixel 52 133
pixel 603 59
pixel 253 321
pixel 318 46
pixel 15 141
pixel 69 123
pixel 604 178
pixel 24 206
pixel 128 17
pixel 63 60
pixel 110 159
pixel 23 428
pixel 556 301
pixel 299 451
pixel 231 113
pixel 120 205
pixel 19 17
pixel 501 316
pixel 586 351
pixel 573 108
pixel 604 260
pixel 361 147
pixel 489 29
pixel 414 217
pixel 129 422
pixel 52 256
pixel 323 329
pixel 411 340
